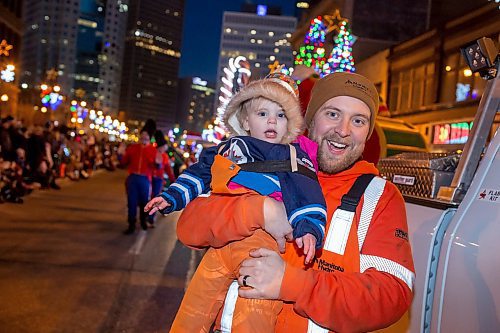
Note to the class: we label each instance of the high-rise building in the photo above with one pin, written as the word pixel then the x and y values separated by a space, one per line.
pixel 260 37
pixel 151 61
pixel 49 42
pixel 111 57
pixel 77 44
pixel 10 44
pixel 195 103
pixel 88 49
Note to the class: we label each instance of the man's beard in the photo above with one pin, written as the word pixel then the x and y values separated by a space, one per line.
pixel 332 164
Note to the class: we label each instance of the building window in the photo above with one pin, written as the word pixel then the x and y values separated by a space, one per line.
pixel 459 83
pixel 412 88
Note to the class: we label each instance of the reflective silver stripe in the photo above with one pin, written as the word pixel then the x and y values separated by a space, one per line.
pixel 228 311
pixel 196 181
pixel 371 196
pixel 313 328
pixel 387 266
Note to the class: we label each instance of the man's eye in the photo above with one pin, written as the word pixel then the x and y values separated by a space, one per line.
pixel 332 114
pixel 359 121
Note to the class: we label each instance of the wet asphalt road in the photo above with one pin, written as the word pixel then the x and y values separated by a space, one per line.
pixel 66 267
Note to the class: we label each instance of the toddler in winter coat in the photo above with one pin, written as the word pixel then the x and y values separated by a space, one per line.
pixel 268 156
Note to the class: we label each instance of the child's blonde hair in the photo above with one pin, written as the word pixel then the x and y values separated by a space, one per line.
pixel 251 104
pixel 257 91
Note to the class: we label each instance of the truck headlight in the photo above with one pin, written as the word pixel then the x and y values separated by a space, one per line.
pixel 480 56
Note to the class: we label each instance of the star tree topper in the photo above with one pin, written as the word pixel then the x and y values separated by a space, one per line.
pixel 5 48
pixel 274 67
pixel 333 21
pixel 80 93
pixel 51 74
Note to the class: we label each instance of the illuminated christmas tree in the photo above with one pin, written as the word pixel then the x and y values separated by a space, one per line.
pixel 341 59
pixel 312 53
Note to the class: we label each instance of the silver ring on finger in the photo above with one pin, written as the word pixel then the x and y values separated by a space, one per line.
pixel 245 281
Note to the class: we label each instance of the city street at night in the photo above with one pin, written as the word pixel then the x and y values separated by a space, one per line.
pixel 361 138
pixel 65 265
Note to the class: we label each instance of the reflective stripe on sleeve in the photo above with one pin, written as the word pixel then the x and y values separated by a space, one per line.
pixel 226 321
pixel 387 266
pixel 314 328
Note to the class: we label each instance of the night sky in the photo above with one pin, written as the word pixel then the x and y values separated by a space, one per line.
pixel 201 33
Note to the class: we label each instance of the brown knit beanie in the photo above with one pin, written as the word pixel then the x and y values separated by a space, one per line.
pixel 343 84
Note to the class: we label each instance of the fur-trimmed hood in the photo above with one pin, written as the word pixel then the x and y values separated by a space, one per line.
pixel 272 90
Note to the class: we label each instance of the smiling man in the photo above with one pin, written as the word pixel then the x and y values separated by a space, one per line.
pixel 362 280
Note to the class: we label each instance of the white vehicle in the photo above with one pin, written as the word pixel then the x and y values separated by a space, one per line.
pixel 454 221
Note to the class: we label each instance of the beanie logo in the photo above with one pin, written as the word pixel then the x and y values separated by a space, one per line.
pixel 357 85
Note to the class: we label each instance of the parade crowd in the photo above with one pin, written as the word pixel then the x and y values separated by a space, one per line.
pixel 36 157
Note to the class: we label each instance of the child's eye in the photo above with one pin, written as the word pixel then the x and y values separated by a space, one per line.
pixel 281 115
pixel 261 113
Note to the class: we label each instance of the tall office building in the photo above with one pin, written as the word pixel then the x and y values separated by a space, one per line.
pixel 195 103
pixel 88 48
pixel 49 42
pixel 77 44
pixel 111 57
pixel 261 37
pixel 151 61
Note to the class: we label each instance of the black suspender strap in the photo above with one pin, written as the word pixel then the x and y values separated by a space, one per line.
pixel 276 166
pixel 351 199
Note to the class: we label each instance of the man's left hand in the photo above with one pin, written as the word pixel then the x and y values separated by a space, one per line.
pixel 263 272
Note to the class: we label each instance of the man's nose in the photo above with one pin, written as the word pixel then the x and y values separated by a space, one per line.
pixel 342 128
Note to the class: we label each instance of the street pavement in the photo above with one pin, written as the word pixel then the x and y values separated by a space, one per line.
pixel 65 265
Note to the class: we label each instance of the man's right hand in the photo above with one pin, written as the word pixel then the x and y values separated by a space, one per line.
pixel 155 205
pixel 276 222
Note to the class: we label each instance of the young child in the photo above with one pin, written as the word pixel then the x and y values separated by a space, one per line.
pixel 264 157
